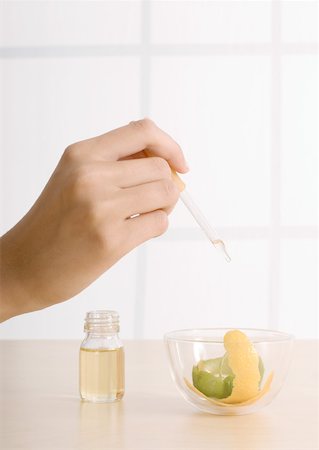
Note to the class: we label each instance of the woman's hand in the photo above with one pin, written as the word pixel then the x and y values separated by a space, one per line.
pixel 82 222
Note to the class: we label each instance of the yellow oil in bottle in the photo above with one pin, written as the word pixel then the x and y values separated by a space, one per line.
pixel 101 374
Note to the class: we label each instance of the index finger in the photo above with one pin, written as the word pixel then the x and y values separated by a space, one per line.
pixel 137 136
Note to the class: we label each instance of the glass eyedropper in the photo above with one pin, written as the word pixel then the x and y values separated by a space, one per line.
pixel 199 217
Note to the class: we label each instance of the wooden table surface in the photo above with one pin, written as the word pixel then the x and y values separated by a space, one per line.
pixel 41 409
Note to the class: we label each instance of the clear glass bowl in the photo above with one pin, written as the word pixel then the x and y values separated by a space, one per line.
pixel 187 347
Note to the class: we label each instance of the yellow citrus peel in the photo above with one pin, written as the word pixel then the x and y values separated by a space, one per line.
pixel 244 363
pixel 243 360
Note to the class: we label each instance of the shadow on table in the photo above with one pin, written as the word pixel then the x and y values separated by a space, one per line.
pixel 142 415
pixel 249 432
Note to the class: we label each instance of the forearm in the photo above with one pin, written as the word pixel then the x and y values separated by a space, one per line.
pixel 15 292
pixel 11 291
pixel 10 294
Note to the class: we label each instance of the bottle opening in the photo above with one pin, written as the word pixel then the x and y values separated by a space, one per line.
pixel 102 321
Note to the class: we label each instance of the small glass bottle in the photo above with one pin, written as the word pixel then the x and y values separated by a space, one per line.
pixel 101 358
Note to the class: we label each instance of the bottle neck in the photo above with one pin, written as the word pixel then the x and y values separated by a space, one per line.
pixel 102 322
pixel 101 328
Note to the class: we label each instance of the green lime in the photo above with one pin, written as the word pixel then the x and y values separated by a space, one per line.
pixel 213 380
pixel 211 385
pixel 195 375
pixel 210 365
pixel 225 370
pixel 228 385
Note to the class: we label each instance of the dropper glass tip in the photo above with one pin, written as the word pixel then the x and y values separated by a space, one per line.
pixel 227 257
pixel 219 244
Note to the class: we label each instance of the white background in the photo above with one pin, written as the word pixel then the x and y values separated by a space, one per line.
pixel 236 84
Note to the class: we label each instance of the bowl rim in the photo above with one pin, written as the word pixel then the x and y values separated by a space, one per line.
pixel 278 336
